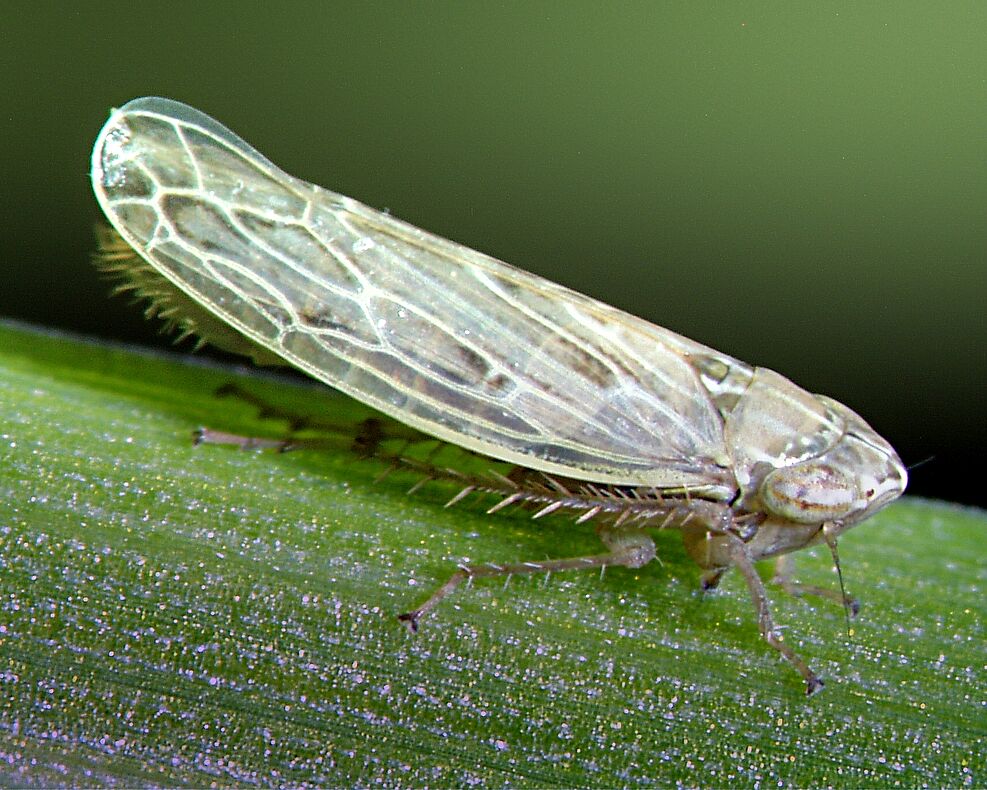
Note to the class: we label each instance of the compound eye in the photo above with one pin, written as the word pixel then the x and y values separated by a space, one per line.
pixel 808 493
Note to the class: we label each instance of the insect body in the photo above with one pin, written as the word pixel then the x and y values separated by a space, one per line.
pixel 603 414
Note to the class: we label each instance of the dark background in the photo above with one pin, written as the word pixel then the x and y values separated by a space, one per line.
pixel 800 185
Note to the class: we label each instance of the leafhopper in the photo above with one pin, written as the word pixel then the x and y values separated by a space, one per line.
pixel 602 415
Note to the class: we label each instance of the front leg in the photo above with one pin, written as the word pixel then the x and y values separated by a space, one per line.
pixel 741 557
pixel 783 579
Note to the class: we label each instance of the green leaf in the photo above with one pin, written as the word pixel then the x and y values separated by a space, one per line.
pixel 179 615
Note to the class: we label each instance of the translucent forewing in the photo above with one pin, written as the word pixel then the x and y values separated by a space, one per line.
pixel 441 337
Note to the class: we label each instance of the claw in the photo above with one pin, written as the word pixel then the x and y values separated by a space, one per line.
pixel 410 620
pixel 812 685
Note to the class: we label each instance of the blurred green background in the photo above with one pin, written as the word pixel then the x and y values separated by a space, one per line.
pixel 801 185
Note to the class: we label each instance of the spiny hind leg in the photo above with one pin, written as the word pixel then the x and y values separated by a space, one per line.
pixel 627 548
pixel 265 409
pixel 783 579
pixel 206 435
pixel 742 560
pixel 364 437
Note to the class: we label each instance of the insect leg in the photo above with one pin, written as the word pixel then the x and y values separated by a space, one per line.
pixel 210 436
pixel 265 409
pixel 742 559
pixel 368 434
pixel 783 579
pixel 364 437
pixel 630 548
